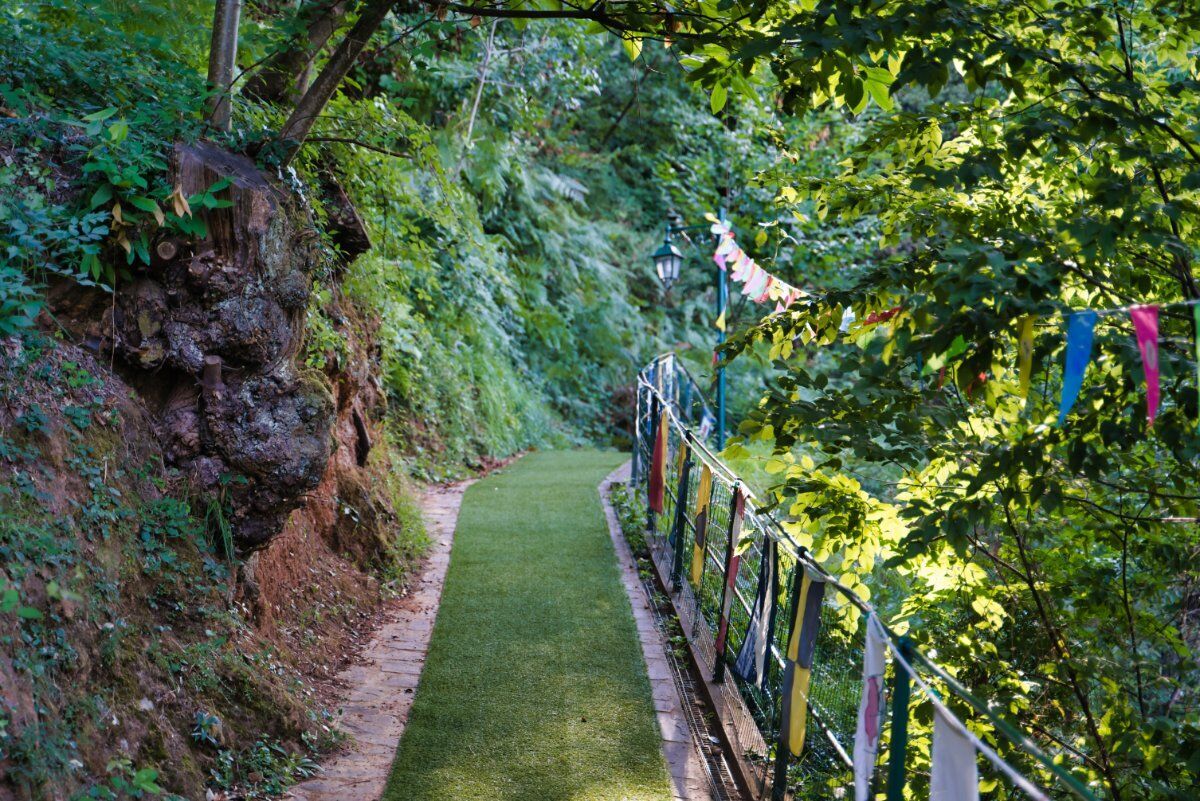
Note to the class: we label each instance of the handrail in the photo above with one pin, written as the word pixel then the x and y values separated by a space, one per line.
pixel 774 529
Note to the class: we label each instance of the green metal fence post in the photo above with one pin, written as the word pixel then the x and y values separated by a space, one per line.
pixel 681 496
pixel 898 748
pixel 651 517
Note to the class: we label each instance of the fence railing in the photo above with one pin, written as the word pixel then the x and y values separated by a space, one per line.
pixel 711 554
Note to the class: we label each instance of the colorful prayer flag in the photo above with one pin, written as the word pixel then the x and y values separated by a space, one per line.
pixel 1081 328
pixel 751 663
pixel 766 292
pixel 734 561
pixel 720 323
pixel 658 467
pixel 680 458
pixel 703 499
pixel 755 288
pixel 954 774
pixel 870 709
pixel 1025 358
pixel 725 248
pixel 741 263
pixel 750 277
pixel 797 667
pixel 1145 325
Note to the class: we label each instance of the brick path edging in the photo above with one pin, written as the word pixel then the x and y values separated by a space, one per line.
pixel 383 684
pixel 688 780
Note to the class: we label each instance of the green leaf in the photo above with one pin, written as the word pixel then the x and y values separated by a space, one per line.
pixel 29 613
pixel 101 196
pixel 879 93
pixel 719 96
pixel 100 116
pixel 145 780
pixel 852 89
pixel 633 48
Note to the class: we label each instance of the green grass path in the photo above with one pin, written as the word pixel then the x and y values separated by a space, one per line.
pixel 534 688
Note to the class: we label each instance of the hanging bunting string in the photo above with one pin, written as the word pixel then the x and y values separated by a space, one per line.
pixel 1080 333
pixel 758 284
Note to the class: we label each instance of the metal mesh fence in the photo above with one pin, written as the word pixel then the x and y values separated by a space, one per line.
pixel 753 711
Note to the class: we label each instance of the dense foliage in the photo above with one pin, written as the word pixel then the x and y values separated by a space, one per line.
pixel 1026 159
pixel 513 181
pixel 941 168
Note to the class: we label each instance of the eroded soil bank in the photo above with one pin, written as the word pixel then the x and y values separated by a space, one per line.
pixel 200 525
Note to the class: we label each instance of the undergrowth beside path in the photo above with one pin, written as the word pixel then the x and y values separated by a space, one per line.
pixel 534 686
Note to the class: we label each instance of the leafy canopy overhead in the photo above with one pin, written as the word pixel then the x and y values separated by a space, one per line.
pixel 1013 158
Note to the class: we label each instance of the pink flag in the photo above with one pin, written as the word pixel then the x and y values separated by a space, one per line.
pixel 724 249
pixel 1145 325
pixel 749 277
pixel 741 263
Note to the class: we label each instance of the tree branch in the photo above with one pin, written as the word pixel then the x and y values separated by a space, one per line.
pixel 1057 645
pixel 346 140
pixel 282 70
pixel 301 120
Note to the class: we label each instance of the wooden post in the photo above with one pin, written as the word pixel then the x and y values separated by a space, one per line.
pixel 167 249
pixel 210 376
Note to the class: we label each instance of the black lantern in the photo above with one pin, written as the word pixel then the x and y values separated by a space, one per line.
pixel 667 261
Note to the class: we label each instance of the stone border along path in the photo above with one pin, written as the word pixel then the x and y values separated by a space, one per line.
pixel 689 780
pixel 383 684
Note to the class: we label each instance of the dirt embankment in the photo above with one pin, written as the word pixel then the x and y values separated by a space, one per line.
pixel 198 527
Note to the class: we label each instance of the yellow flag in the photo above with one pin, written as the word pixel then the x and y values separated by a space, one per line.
pixel 680 458
pixel 1025 357
pixel 720 323
pixel 703 499
pixel 797 666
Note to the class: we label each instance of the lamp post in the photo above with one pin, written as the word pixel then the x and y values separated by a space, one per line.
pixel 668 260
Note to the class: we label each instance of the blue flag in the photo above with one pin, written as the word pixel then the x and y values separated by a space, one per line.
pixel 1080 330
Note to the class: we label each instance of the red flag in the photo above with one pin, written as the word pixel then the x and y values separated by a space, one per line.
pixel 1145 325
pixel 658 467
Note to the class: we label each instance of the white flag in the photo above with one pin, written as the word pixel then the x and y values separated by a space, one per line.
pixel 870 709
pixel 954 776
pixel 727 245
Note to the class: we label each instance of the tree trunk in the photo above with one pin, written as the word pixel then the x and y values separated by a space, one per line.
pixel 284 75
pixel 310 106
pixel 488 47
pixel 222 56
